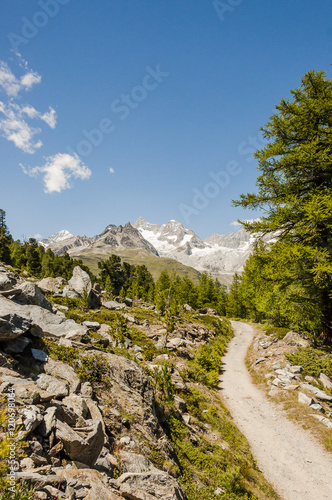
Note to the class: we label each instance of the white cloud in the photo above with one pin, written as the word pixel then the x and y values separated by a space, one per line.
pixel 237 223
pixel 30 79
pixel 8 81
pixel 14 118
pixel 12 85
pixel 13 125
pixel 14 128
pixel 112 171
pixel 58 171
pixel 37 236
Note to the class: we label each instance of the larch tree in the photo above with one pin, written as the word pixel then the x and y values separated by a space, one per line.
pixel 295 187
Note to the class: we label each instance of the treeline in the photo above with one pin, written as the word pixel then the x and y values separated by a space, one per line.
pixel 168 293
pixel 33 258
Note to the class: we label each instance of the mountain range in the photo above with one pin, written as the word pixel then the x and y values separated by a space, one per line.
pixel 159 245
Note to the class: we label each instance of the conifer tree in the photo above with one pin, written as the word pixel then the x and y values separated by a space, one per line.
pixel 5 239
pixel 295 188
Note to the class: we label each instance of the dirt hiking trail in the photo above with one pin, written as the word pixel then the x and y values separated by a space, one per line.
pixel 291 459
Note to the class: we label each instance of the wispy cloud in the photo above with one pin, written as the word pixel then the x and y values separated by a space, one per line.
pixel 14 117
pixel 12 85
pixel 59 170
pixel 237 223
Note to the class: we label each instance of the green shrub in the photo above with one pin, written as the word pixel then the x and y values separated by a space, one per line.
pixel 313 361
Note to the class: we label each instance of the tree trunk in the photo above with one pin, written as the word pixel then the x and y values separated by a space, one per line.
pixel 326 334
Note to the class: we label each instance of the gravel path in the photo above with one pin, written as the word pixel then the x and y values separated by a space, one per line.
pixel 290 458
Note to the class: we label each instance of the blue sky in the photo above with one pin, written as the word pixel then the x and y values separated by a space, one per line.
pixel 116 109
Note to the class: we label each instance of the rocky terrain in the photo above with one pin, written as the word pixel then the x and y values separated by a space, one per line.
pixel 219 255
pixel 110 403
pixel 287 381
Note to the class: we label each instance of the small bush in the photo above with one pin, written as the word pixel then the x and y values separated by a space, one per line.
pixel 313 361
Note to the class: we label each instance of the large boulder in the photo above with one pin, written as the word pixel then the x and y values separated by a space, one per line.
pixel 62 371
pixel 12 325
pixel 83 445
pixel 16 319
pixel 52 285
pixel 80 281
pixel 132 393
pixel 297 339
pixel 32 294
pixel 7 279
pixel 113 305
pixel 94 299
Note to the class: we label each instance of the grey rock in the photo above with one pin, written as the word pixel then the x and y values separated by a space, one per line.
pixel 180 404
pixel 32 417
pixel 304 399
pixel 325 421
pixel 317 407
pixel 17 319
pixel 113 305
pixel 132 462
pixel 80 281
pixel 154 485
pixel 51 285
pixel 64 372
pixel 77 404
pixel 128 301
pixel 296 339
pixel 318 393
pixel 17 346
pixel 49 421
pixel 94 299
pixel 7 279
pixel 92 325
pixel 68 292
pixel 39 355
pixel 260 360
pixel 52 385
pixel 296 369
pixel 12 323
pixel 130 318
pixel 83 445
pixel 326 381
pixel 187 307
pixel 87 479
pixel 31 294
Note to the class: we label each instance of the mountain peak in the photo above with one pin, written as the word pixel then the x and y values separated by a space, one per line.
pixel 62 235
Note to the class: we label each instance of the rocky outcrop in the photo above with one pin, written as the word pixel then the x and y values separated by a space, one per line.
pixel 31 294
pixel 17 319
pixel 150 486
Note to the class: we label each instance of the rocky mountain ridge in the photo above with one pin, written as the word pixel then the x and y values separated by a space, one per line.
pixel 219 255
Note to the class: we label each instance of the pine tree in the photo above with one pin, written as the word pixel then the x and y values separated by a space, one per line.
pixel 5 239
pixel 295 187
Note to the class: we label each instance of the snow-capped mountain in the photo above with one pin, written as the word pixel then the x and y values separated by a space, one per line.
pixel 169 238
pixel 56 238
pixel 112 237
pixel 220 255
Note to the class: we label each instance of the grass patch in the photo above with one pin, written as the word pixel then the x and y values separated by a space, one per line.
pixel 205 367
